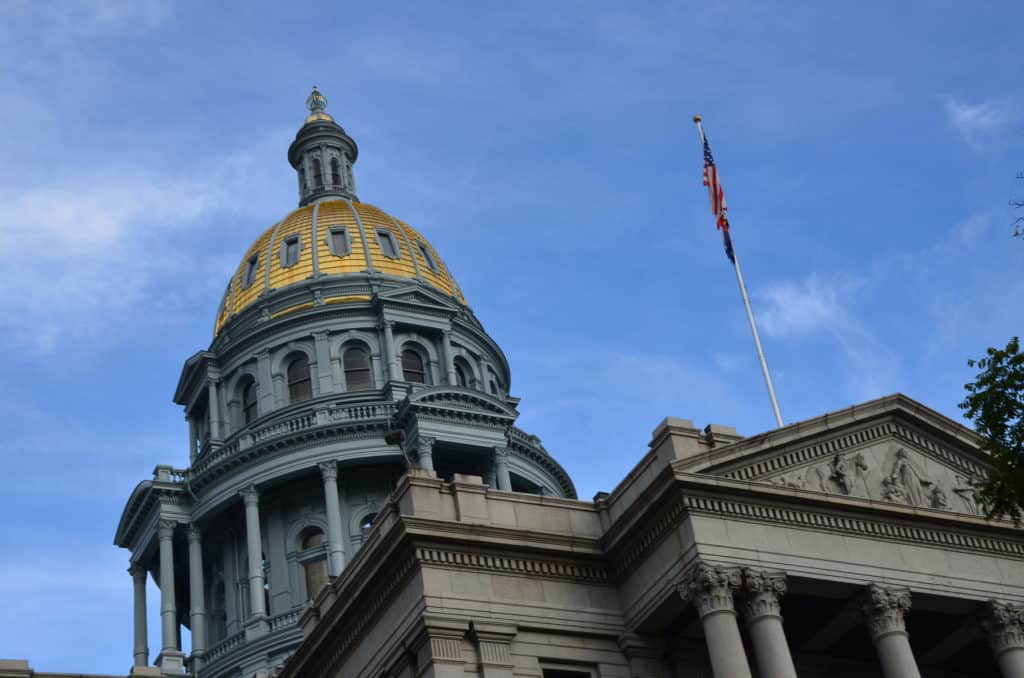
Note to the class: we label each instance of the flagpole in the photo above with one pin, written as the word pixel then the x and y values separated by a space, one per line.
pixel 750 313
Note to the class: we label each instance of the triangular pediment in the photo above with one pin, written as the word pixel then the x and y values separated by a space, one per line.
pixel 898 453
pixel 464 399
pixel 420 296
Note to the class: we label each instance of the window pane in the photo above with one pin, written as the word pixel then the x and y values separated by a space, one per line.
pixel 316 577
pixel 335 172
pixel 427 257
pixel 412 367
pixel 299 385
pixel 249 402
pixel 318 173
pixel 387 244
pixel 291 252
pixel 250 272
pixel 357 369
pixel 339 242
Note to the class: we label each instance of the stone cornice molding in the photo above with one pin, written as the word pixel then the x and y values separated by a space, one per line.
pixel 545 568
pixel 329 471
pixel 1003 625
pixel 250 495
pixel 710 588
pixel 763 593
pixel 883 610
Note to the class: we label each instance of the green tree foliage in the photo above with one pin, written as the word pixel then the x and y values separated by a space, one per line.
pixel 995 403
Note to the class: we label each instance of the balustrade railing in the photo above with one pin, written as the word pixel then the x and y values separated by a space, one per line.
pixel 286 620
pixel 222 648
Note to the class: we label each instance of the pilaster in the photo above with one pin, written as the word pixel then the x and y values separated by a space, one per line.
pixel 494 649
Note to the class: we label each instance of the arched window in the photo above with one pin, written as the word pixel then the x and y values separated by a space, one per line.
pixel 313 556
pixel 412 367
pixel 460 376
pixel 249 401
pixel 335 172
pixel 318 173
pixel 300 386
pixel 357 369
pixel 366 524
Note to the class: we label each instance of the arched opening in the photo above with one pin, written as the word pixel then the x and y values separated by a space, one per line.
pixel 318 173
pixel 366 524
pixel 302 178
pixel 300 386
pixel 413 369
pixel 249 408
pixel 460 376
pixel 356 361
pixel 312 554
pixel 335 172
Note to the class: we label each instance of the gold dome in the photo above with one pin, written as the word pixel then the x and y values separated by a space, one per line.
pixel 348 237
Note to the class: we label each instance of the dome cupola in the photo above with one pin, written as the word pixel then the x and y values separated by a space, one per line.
pixel 322 155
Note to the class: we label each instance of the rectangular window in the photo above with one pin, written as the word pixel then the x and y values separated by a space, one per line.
pixel 565 673
pixel 388 246
pixel 290 251
pixel 250 271
pixel 427 257
pixel 337 241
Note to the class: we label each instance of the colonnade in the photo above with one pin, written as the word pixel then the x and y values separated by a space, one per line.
pixel 715 590
pixel 171 657
pixel 502 477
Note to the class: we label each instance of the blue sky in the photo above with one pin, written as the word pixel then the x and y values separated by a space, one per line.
pixel 868 152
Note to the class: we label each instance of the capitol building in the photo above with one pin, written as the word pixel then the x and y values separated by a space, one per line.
pixel 359 502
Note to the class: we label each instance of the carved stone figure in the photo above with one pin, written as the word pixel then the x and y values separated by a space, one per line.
pixel 905 484
pixel 793 480
pixel 939 499
pixel 964 490
pixel 834 477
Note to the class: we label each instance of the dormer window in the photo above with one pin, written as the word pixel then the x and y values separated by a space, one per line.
pixel 427 257
pixel 338 242
pixel 290 251
pixel 249 279
pixel 388 246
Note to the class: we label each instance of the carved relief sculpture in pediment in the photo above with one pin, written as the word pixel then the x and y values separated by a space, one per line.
pixel 888 472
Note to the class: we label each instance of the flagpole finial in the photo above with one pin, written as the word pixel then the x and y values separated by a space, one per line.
pixel 697 119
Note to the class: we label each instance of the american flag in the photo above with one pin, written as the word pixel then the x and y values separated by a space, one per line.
pixel 717 195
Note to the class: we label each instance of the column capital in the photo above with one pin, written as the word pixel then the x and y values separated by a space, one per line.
pixel 321 336
pixel 1003 625
pixel 195 535
pixel 165 528
pixel 502 453
pixel 425 443
pixel 446 332
pixel 137 571
pixel 710 588
pixel 250 495
pixel 387 324
pixel 764 591
pixel 883 609
pixel 329 470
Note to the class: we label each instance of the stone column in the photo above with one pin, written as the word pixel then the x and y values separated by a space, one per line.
pixel 323 361
pixel 193 439
pixel 335 540
pixel 711 589
pixel 213 405
pixel 501 473
pixel 254 548
pixel 141 650
pixel 171 658
pixel 883 610
pixel 764 591
pixel 446 356
pixel 425 452
pixel 197 593
pixel 394 374
pixel 1003 624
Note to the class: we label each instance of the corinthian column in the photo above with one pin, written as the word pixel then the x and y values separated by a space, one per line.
pixel 197 591
pixel 171 658
pixel 335 551
pixel 883 610
pixel 254 548
pixel 394 374
pixel 141 650
pixel 1003 624
pixel 764 591
pixel 710 589
pixel 425 452
pixel 501 474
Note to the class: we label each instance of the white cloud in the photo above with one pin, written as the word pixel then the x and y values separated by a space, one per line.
pixel 981 122
pixel 792 308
